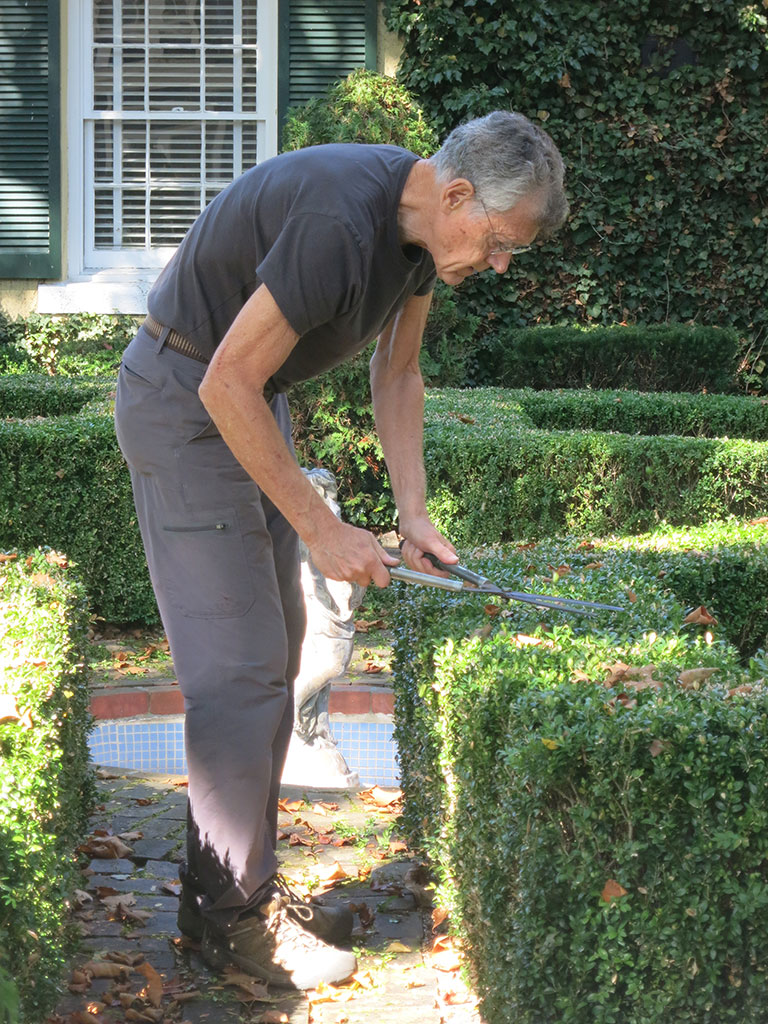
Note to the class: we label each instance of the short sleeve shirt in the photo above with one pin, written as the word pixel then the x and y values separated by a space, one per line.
pixel 318 227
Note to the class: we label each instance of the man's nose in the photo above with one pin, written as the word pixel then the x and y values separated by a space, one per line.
pixel 500 261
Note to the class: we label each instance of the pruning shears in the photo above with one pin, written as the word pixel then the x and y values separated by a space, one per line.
pixel 465 581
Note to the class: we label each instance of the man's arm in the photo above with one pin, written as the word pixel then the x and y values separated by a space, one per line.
pixel 398 405
pixel 232 391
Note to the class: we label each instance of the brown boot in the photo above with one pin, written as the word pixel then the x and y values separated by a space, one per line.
pixel 270 944
pixel 331 924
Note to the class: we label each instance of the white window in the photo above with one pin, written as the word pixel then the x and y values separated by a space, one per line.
pixel 169 101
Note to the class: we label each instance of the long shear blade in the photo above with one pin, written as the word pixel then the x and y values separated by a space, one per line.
pixel 486 586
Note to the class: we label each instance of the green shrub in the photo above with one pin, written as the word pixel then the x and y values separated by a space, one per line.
pixel 63 481
pixel 24 395
pixel 75 345
pixel 492 479
pixel 722 566
pixel 597 820
pixel 629 412
pixel 669 358
pixel 665 156
pixel 46 786
pixel 364 107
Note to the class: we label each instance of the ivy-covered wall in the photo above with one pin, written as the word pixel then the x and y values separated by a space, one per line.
pixel 661 113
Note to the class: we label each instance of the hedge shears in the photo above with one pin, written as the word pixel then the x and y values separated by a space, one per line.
pixel 465 581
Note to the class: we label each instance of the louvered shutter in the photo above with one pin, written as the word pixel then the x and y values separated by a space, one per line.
pixel 30 200
pixel 321 43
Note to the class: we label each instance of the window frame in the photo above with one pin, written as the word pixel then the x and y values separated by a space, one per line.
pixel 127 275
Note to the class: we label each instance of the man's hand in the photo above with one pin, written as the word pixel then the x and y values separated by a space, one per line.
pixel 420 536
pixel 348 553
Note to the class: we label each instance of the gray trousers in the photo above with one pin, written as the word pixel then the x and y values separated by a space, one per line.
pixel 225 568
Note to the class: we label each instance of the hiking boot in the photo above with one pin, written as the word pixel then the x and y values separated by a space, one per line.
pixel 269 943
pixel 331 924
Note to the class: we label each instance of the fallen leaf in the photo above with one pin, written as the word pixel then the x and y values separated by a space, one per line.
pixel 104 969
pixel 291 805
pixel 691 677
pixel 366 625
pixel 612 890
pixel 274 1017
pixel 700 617
pixel 332 872
pixel 372 667
pixel 381 797
pixel 439 914
pixel 657 747
pixel 398 947
pixel 595 565
pixel 550 744
pixel 252 988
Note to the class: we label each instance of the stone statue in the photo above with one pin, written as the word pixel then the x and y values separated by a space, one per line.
pixel 313 757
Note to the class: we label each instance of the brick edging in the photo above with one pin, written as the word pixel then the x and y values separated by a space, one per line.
pixel 133 701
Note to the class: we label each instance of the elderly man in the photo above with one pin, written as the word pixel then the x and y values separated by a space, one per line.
pixel 293 268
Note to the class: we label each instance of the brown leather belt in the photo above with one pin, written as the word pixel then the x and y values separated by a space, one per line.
pixel 175 341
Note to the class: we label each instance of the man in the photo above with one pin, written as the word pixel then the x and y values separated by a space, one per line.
pixel 296 266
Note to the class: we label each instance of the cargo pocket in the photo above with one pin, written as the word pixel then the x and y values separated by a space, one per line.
pixel 211 578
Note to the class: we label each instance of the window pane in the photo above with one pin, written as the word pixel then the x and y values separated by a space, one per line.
pixel 174 21
pixel 219 152
pixel 134 76
pixel 103 78
pixel 174 79
pixel 219 80
pixel 134 29
pixel 219 22
pixel 172 211
pixel 103 27
pixel 103 151
pixel 174 151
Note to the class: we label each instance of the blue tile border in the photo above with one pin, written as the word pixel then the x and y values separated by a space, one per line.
pixel 366 742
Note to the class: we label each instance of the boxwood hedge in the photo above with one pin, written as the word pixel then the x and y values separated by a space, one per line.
pixel 630 412
pixel 492 479
pixel 594 800
pixel 46 785
pixel 664 357
pixel 493 476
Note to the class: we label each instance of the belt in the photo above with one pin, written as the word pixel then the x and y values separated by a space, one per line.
pixel 179 343
pixel 175 341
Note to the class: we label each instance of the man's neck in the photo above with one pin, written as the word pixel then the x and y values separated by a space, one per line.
pixel 415 212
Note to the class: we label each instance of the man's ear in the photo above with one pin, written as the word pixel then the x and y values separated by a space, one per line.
pixel 457 192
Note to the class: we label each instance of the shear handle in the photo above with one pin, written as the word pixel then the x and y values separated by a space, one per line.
pixel 460 571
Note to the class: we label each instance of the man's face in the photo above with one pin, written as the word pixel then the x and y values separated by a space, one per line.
pixel 467 240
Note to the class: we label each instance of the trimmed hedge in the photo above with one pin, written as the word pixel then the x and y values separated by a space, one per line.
pixel 723 566
pixel 627 412
pixel 670 357
pixel 31 394
pixel 598 822
pixel 46 785
pixel 63 482
pixel 490 479
pixel 492 476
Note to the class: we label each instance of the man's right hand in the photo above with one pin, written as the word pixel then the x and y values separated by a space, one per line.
pixel 348 553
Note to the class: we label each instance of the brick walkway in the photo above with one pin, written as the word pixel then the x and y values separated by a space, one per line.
pixel 134 966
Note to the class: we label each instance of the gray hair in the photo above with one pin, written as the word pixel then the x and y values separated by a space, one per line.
pixel 506 157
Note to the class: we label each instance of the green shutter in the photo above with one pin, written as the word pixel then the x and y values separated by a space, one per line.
pixel 30 201
pixel 321 43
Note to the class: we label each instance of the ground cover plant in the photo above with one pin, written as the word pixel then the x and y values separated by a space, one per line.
pixel 45 780
pixel 592 793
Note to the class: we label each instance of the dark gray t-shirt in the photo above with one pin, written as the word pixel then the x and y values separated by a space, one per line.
pixel 318 227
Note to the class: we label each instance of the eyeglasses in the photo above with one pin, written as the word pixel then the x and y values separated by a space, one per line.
pixel 498 246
